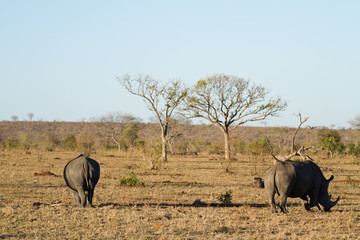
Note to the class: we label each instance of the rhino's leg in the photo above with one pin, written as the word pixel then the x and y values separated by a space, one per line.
pixel 272 203
pixel 90 197
pixel 304 200
pixel 313 200
pixel 82 196
pixel 282 203
pixel 76 197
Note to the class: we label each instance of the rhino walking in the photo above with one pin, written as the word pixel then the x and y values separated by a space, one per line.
pixel 301 179
pixel 82 174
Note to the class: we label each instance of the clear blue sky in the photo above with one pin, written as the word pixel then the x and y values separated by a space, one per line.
pixel 59 59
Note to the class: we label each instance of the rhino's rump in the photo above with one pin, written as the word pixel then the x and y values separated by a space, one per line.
pixel 81 172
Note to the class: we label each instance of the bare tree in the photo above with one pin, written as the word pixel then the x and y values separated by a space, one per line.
pixel 228 102
pixel 30 116
pixel 161 99
pixel 294 152
pixel 355 123
pixel 14 118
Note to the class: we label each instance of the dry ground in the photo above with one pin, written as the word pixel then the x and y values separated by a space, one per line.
pixel 179 201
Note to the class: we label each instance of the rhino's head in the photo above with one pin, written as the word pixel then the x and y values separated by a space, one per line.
pixel 325 198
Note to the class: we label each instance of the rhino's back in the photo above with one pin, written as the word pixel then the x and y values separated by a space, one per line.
pixel 305 175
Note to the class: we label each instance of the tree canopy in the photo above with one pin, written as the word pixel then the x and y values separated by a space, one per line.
pixel 161 99
pixel 229 101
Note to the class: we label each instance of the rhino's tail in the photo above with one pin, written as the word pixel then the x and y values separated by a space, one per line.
pixel 87 176
pixel 271 184
pixel 275 185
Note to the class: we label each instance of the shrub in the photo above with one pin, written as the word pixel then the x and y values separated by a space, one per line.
pixel 152 153
pixel 226 198
pixel 25 141
pixel 86 142
pixel 140 144
pixel 258 146
pixel 240 146
pixel 12 142
pixel 330 141
pixel 70 142
pixel 129 135
pixel 216 147
pixel 131 181
pixel 352 149
pixel 52 142
pixel 182 148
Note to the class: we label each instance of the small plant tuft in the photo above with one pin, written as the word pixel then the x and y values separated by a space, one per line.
pixel 131 181
pixel 223 229
pixel 226 198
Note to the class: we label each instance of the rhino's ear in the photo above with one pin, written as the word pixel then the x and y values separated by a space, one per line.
pixel 331 178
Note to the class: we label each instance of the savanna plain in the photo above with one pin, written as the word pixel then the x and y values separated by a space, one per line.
pixel 179 200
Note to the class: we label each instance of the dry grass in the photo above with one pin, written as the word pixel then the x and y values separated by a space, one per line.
pixel 177 202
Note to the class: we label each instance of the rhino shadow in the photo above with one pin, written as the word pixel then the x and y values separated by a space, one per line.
pixel 195 204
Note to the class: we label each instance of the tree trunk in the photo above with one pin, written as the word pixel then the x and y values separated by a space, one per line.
pixel 227 149
pixel 164 143
pixel 117 143
pixel 164 149
pixel 227 145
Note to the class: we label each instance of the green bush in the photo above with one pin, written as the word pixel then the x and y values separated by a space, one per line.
pixel 70 142
pixel 353 149
pixel 131 181
pixel 12 142
pixel 129 135
pixel 258 146
pixel 226 198
pixel 330 141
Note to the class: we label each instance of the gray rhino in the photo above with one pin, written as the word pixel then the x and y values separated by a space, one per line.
pixel 82 174
pixel 298 179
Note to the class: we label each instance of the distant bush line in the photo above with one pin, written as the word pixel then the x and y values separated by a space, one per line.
pixel 189 140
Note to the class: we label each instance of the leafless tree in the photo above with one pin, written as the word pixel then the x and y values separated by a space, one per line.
pixel 30 116
pixel 161 99
pixel 228 102
pixel 14 118
pixel 294 152
pixel 355 123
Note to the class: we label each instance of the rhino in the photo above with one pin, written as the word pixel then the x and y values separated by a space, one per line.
pixel 82 174
pixel 301 179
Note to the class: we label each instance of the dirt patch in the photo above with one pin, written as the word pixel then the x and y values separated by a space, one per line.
pixel 46 173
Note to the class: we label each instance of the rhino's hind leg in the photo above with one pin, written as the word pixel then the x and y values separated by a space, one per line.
pixel 90 197
pixel 272 203
pixel 282 204
pixel 82 196
pixel 76 197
